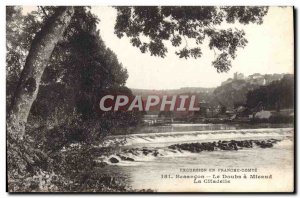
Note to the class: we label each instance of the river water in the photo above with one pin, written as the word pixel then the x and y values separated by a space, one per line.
pixel 162 169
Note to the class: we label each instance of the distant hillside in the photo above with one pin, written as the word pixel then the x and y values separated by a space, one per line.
pixel 232 93
pixel 275 96
pixel 145 92
pixel 233 90
pixel 204 94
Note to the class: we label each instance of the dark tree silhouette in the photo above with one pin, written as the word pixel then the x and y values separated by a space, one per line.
pixel 40 51
pixel 149 29
pixel 275 96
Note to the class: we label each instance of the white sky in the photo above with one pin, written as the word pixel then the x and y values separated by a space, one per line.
pixel 269 50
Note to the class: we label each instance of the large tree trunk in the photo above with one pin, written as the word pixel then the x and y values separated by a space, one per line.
pixel 36 62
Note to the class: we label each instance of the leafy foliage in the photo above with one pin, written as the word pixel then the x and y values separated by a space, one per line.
pixel 151 27
pixel 82 75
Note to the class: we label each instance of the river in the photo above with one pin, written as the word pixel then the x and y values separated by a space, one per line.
pixel 147 160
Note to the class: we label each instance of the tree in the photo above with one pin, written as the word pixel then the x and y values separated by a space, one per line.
pixel 150 27
pixel 35 64
pixel 80 69
pixel 20 31
pixel 83 65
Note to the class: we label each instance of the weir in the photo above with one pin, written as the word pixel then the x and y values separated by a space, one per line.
pixel 190 136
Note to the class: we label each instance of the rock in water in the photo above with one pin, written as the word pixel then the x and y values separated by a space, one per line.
pixel 113 160
pixel 155 153
pixel 128 159
pixel 125 158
